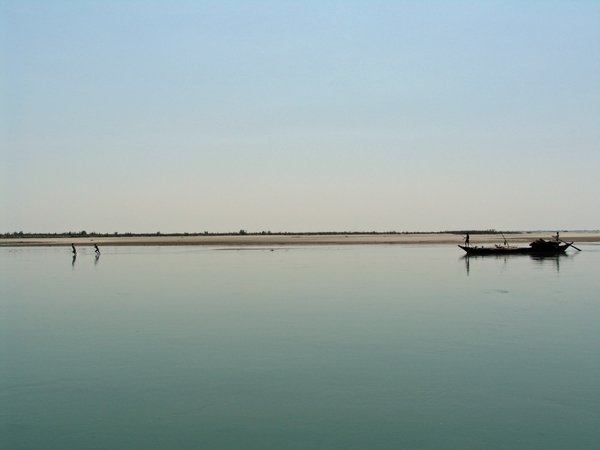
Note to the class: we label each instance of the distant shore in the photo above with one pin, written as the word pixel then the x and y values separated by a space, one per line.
pixel 296 239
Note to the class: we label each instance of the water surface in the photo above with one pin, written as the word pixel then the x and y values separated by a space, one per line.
pixel 377 347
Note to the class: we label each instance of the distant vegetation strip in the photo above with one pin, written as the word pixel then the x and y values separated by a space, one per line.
pixel 21 234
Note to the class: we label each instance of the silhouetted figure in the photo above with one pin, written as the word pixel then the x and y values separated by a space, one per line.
pixel 467 240
pixel 97 250
pixel 74 249
pixel 557 236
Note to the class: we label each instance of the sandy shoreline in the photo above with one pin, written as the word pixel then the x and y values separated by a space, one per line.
pixel 291 240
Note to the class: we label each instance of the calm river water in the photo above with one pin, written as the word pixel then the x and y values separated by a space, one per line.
pixel 367 347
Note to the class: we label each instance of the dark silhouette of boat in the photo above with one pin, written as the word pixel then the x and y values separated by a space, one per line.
pixel 537 247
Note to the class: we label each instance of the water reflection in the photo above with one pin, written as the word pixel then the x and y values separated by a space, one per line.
pixel 538 260
pixel 553 260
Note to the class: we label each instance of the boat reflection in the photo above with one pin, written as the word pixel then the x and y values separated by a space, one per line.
pixel 537 259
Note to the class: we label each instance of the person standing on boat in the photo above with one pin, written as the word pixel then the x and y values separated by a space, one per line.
pixel 467 240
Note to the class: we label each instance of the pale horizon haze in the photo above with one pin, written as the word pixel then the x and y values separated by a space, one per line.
pixel 173 116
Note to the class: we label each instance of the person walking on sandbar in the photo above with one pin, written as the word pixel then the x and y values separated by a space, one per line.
pixel 97 250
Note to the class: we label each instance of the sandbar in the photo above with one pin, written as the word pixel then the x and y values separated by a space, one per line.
pixel 298 239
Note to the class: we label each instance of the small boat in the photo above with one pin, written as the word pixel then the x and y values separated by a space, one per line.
pixel 537 247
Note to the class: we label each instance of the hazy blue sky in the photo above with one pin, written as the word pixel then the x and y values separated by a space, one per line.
pixel 299 115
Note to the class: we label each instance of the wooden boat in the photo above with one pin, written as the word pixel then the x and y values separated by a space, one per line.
pixel 538 247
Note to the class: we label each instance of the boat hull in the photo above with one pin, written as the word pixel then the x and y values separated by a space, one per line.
pixel 543 250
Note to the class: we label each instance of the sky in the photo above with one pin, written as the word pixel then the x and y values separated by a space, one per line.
pixel 173 116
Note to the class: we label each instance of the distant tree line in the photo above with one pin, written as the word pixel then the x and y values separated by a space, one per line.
pixel 242 232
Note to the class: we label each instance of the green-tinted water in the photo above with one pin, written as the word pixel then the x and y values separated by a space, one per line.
pixel 374 347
